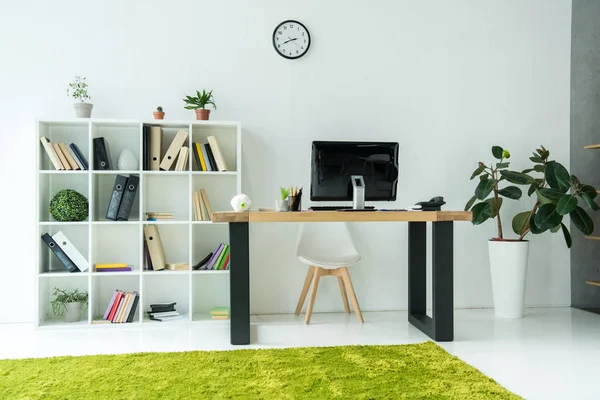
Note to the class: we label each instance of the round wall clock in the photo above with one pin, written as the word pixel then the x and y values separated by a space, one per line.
pixel 291 39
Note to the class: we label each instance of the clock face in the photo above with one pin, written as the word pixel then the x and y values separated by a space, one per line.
pixel 291 39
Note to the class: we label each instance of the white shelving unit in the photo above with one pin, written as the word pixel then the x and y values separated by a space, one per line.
pixel 106 241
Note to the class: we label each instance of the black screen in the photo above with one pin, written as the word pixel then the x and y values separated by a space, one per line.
pixel 333 163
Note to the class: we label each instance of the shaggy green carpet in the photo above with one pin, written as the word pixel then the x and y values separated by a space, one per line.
pixel 415 371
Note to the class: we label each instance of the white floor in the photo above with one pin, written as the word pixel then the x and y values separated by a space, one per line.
pixel 553 353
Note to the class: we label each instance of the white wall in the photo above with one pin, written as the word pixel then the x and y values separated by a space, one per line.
pixel 445 79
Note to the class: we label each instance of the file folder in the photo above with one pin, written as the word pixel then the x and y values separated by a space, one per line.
pixel 71 251
pixel 128 198
pixel 173 150
pixel 146 147
pixel 155 147
pixel 116 197
pixel 59 253
pixel 155 249
pixel 101 154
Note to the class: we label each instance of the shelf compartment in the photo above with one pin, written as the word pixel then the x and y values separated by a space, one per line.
pixel 103 288
pixel 63 132
pixel 175 244
pixel 169 131
pixel 167 193
pixel 45 289
pixel 103 185
pixel 226 136
pixel 206 239
pixel 115 243
pixel 77 234
pixel 50 184
pixel 208 291
pixel 219 190
pixel 166 288
pixel 118 137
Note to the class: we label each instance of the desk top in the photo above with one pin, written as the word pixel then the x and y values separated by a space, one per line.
pixel 341 216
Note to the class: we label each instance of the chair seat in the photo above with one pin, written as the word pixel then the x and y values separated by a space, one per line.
pixel 331 261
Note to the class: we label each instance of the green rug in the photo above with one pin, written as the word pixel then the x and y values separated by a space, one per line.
pixel 415 371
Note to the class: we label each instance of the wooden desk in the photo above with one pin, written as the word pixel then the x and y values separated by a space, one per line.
pixel 440 326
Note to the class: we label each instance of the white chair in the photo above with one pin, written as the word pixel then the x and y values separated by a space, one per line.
pixel 327 248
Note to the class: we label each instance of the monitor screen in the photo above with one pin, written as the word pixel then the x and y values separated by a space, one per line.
pixel 332 164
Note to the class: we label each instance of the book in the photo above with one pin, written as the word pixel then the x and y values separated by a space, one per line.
pixel 80 157
pixel 205 158
pixel 61 156
pixel 217 153
pixel 115 269
pixel 206 203
pixel 110 304
pixel 162 307
pixel 68 156
pixel 203 261
pixel 196 157
pixel 99 321
pixel 71 251
pixel 146 147
pixel 223 317
pixel 77 161
pixel 115 305
pixel 177 266
pixel 162 314
pixel 218 263
pixel 219 310
pixel 170 318
pixel 226 263
pixel 47 145
pixel 215 256
pixel 211 157
pixel 133 307
pixel 147 255
pixel 123 307
pixel 201 157
pixel 116 265
pixel 201 206
pixel 167 161
pixel 122 300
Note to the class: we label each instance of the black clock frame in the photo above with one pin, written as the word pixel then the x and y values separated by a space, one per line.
pixel 275 44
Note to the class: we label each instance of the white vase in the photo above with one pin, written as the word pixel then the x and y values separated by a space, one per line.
pixel 508 267
pixel 83 110
pixel 127 161
pixel 73 312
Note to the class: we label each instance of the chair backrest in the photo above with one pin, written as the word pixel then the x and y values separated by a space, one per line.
pixel 322 238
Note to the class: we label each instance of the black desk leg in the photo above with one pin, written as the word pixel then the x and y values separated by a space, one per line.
pixel 440 327
pixel 239 283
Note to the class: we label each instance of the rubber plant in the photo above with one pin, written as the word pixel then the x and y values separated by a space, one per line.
pixel 487 200
pixel 557 194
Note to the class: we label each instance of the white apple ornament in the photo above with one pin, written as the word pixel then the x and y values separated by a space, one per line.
pixel 241 202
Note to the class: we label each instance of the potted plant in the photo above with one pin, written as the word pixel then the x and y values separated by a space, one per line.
pixel 284 203
pixel 68 304
pixel 199 103
pixel 159 114
pixel 557 193
pixel 78 89
pixel 69 205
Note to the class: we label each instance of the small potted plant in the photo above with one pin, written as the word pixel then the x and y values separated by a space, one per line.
pixel 69 205
pixel 199 103
pixel 68 305
pixel 159 114
pixel 284 203
pixel 78 89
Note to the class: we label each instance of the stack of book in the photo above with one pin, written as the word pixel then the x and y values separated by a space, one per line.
pixel 159 215
pixel 116 267
pixel 176 157
pixel 219 313
pixel 202 209
pixel 66 252
pixel 121 308
pixel 182 266
pixel 164 312
pixel 64 157
pixel 217 260
pixel 209 156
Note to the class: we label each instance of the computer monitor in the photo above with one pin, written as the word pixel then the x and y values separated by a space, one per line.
pixel 333 164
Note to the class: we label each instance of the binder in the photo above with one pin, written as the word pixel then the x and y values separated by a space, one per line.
pixel 101 154
pixel 157 254
pixel 156 134
pixel 205 156
pixel 217 153
pixel 133 307
pixel 51 153
pixel 61 156
pixel 71 251
pixel 79 156
pixel 146 147
pixel 201 156
pixel 116 197
pixel 211 157
pixel 196 157
pixel 171 153
pixel 68 156
pixel 128 198
pixel 59 253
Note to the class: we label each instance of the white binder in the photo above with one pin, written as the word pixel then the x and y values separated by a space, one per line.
pixel 71 251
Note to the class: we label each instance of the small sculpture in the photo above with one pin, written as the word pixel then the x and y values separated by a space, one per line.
pixel 127 160
pixel 241 202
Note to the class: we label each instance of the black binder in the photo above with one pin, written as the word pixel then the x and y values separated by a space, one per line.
pixel 196 157
pixel 79 156
pixel 128 198
pixel 116 197
pixel 101 154
pixel 146 147
pixel 59 253
pixel 211 157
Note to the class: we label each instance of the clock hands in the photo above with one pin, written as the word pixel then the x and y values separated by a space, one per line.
pixel 291 40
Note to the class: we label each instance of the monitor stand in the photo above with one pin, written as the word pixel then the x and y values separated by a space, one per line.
pixel 358 192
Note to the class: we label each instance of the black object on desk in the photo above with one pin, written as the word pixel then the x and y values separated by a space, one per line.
pixel 435 204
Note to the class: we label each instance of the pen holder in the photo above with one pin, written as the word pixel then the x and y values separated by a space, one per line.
pixel 295 203
pixel 282 205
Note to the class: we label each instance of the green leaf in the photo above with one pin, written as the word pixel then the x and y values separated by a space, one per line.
pixel 567 235
pixel 532 188
pixel 528 170
pixel 539 168
pixel 497 152
pixel 469 203
pixel 478 171
pixel 546 195
pixel 502 165
pixel 495 209
pixel 520 222
pixel 536 159
pixel 481 213
pixel 557 176
pixel 582 221
pixel 555 228
pixel 484 176
pixel 518 178
pixel 589 190
pixel 533 228
pixel 589 201
pixel 546 217
pixel 484 188
pixel 566 204
pixel 511 192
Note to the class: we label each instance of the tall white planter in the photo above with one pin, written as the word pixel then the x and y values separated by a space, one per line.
pixel 508 264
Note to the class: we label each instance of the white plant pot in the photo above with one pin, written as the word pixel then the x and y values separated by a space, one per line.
pixel 508 266
pixel 83 110
pixel 73 312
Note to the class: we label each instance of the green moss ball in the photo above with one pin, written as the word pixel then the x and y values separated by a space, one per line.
pixel 69 205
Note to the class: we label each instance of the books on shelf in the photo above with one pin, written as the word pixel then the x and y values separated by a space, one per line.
pixel 219 313
pixel 209 156
pixel 159 216
pixel 164 312
pixel 114 267
pixel 177 266
pixel 64 157
pixel 217 260
pixel 121 307
pixel 202 208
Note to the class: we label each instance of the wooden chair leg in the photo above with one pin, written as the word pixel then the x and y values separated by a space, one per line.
pixel 344 295
pixel 313 294
pixel 307 280
pixel 350 289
